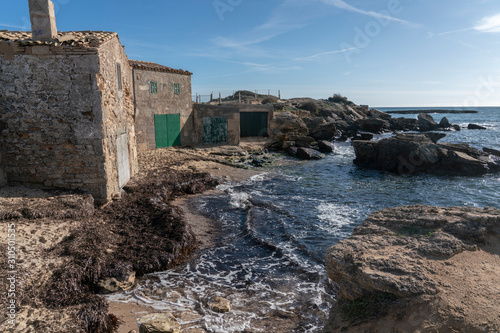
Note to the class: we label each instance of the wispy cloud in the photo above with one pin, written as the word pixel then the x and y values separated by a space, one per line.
pixel 287 16
pixel 268 68
pixel 6 25
pixel 489 24
pixel 318 55
pixel 343 5
pixel 450 32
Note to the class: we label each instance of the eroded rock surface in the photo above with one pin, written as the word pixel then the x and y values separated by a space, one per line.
pixel 419 269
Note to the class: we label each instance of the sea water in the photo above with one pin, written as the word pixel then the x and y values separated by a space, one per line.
pixel 276 226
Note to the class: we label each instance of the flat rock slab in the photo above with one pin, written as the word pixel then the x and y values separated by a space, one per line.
pixel 419 268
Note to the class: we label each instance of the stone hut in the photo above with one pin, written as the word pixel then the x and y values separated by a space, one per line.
pixel 163 105
pixel 66 108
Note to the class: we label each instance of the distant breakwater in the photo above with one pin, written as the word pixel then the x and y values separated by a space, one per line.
pixel 430 111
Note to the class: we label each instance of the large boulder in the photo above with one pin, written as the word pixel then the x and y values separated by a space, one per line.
pixel 326 147
pixel 374 113
pixel 373 125
pixel 493 152
pixel 444 123
pixel 475 127
pixel 287 122
pixel 408 154
pixel 403 124
pixel 426 123
pixel 309 154
pixel 363 136
pixel 326 131
pixel 313 122
pixel 418 269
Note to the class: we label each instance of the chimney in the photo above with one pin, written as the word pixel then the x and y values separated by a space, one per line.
pixel 43 19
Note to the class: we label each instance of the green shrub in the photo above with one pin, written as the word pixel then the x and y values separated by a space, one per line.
pixel 270 100
pixel 311 106
pixel 338 98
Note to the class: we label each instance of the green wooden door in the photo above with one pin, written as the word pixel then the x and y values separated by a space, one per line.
pixel 168 130
pixel 253 124
pixel 214 130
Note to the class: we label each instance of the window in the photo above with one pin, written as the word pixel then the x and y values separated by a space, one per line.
pixel 153 87
pixel 119 77
pixel 177 88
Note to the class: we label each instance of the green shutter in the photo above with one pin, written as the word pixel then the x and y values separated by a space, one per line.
pixel 174 129
pixel 253 124
pixel 154 87
pixel 177 88
pixel 167 130
pixel 161 131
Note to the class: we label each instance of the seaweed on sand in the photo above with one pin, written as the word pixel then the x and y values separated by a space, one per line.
pixel 142 232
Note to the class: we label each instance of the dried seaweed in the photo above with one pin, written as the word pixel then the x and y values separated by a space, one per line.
pixel 142 232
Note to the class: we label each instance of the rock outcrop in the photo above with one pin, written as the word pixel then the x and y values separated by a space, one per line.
pixel 419 269
pixel 408 154
pixel 475 127
pixel 291 134
pixel 426 123
pixel 337 121
pixel 326 147
pixel 308 154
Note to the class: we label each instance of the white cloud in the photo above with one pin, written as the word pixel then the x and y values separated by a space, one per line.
pixel 489 24
pixel 14 26
pixel 342 5
pixel 317 55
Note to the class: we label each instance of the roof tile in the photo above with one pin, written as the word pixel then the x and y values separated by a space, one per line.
pixel 146 65
pixel 74 38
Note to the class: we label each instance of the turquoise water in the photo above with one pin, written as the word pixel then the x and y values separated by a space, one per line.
pixel 277 226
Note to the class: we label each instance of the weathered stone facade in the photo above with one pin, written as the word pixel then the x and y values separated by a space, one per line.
pixel 62 110
pixel 156 93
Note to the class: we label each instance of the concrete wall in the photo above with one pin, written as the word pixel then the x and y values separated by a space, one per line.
pixel 117 112
pixel 148 104
pixel 60 114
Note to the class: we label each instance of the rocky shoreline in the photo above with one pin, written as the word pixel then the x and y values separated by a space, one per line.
pixel 308 135
pixel 419 269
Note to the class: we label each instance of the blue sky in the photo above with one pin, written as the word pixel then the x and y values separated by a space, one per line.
pixel 376 52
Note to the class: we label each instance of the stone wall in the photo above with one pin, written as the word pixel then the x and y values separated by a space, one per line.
pixel 231 112
pixel 59 115
pixel 163 102
pixel 117 111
